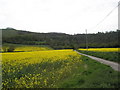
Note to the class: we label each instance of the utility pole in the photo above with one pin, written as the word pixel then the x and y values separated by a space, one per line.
pixel 119 15
pixel 86 40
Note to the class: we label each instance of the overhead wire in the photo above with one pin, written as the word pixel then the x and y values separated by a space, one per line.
pixel 106 16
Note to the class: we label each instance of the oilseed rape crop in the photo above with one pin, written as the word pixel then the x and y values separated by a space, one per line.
pixel 102 49
pixel 38 69
pixel 21 48
pixel 31 48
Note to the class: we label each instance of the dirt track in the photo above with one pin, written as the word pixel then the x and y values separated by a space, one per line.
pixel 114 65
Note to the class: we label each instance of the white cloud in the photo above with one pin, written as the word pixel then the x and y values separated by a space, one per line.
pixel 68 16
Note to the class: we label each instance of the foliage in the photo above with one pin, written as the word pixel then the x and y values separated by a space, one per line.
pixel 61 40
pixel 9 48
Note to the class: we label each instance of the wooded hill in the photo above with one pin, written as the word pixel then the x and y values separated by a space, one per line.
pixel 60 40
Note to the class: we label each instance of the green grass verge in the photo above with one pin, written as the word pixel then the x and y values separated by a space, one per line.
pixel 92 74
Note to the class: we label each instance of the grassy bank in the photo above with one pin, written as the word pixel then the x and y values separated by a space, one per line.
pixel 92 74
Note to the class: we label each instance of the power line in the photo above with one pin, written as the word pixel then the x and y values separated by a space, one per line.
pixel 107 16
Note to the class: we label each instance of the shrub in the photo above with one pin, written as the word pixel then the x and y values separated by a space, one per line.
pixel 8 48
pixel 4 48
pixel 11 49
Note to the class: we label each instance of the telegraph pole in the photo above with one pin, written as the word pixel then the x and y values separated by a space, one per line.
pixel 86 40
pixel 119 15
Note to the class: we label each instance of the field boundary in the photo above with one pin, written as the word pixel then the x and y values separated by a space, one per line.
pixel 114 65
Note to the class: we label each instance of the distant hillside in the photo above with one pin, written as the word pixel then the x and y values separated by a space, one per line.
pixel 60 40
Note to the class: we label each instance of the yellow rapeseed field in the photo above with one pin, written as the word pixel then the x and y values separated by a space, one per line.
pixel 27 48
pixel 31 48
pixel 103 49
pixel 38 69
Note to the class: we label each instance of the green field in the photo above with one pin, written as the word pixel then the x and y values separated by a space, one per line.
pixel 55 69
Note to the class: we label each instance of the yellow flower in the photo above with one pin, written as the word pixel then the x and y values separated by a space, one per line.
pixel 38 68
pixel 102 49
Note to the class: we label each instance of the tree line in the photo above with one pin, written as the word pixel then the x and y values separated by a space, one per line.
pixel 61 40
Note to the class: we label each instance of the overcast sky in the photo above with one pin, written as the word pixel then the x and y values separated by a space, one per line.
pixel 67 16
